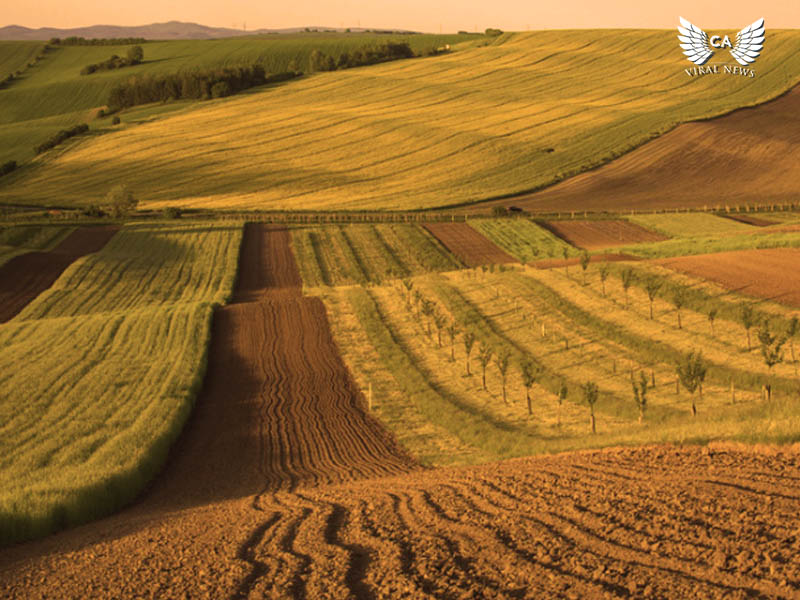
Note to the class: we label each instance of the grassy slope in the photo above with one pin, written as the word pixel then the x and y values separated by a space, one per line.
pixel 19 240
pixel 684 225
pixel 113 357
pixel 470 125
pixel 523 239
pixel 15 56
pixel 54 95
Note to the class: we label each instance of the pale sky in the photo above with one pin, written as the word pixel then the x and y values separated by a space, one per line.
pixel 419 15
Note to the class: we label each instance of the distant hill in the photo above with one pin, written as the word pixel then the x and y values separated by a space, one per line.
pixel 173 30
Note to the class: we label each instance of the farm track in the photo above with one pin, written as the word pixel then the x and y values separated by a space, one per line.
pixel 26 276
pixel 282 487
pixel 469 245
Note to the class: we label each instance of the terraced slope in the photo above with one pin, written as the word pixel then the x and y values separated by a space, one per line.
pixel 525 111
pixel 747 157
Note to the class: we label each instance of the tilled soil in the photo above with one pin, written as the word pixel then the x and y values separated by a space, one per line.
pixel 26 276
pixel 769 273
pixel 596 235
pixel 749 156
pixel 282 487
pixel 468 245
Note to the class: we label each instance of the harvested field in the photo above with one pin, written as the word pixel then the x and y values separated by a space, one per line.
pixel 596 235
pixel 472 248
pixel 768 273
pixel 655 522
pixel 757 221
pixel 26 276
pixel 749 156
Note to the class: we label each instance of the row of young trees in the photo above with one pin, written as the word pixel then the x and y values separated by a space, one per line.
pixel 61 136
pixel 80 41
pixel 368 55
pixel 134 57
pixel 194 85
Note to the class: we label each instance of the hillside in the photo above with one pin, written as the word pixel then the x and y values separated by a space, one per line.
pixel 172 30
pixel 482 122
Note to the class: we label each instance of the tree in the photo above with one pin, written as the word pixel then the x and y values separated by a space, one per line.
pixel 590 393
pixel 469 342
pixel 438 322
pixel 712 315
pixel 121 200
pixel 604 276
pixel 427 310
pixel 652 287
pixel 484 356
pixel 627 280
pixel 135 55
pixel 408 285
pixel 565 253
pixel 771 350
pixel 584 265
pixel 452 333
pixel 691 372
pixel 748 319
pixel 678 301
pixel 530 373
pixel 791 331
pixel 501 362
pixel 640 394
pixel 563 391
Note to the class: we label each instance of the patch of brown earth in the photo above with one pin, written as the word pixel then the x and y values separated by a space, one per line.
pixel 596 235
pixel 750 156
pixel 26 276
pixel 769 273
pixel 468 245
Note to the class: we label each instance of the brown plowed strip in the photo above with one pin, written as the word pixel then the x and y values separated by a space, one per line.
pixel 596 235
pixel 658 522
pixel 769 273
pixel 750 156
pixel 758 222
pixel 26 276
pixel 552 263
pixel 468 245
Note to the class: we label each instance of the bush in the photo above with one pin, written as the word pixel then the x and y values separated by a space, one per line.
pixel 499 211
pixel 172 212
pixel 135 55
pixel 8 167
pixel 121 200
pixel 220 89
pixel 62 135
pixel 492 32
pixel 116 120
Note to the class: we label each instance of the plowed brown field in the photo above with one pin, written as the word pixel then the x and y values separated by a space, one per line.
pixel 471 248
pixel 26 276
pixel 282 487
pixel 769 273
pixel 750 156
pixel 595 235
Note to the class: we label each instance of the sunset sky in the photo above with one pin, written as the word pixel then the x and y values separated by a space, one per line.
pixel 420 15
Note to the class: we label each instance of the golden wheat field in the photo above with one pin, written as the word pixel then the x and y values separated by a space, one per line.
pixel 522 111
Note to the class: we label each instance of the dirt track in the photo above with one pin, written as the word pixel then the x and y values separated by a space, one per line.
pixel 769 273
pixel 750 156
pixel 26 276
pixel 471 248
pixel 596 235
pixel 272 493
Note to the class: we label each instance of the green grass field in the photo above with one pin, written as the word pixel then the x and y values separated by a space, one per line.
pixel 683 225
pixel 523 111
pixel 53 95
pixel 99 373
pixel 523 239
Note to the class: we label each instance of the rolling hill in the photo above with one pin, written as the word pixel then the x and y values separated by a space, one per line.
pixel 494 119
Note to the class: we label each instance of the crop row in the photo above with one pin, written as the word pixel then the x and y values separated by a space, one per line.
pixel 113 358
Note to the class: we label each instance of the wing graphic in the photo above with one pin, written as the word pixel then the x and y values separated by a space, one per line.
pixel 694 42
pixel 749 42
